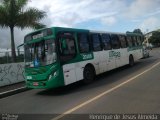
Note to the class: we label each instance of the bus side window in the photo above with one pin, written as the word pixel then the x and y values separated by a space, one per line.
pixel 139 40
pixel 96 42
pixel 125 37
pixel 134 41
pixel 142 39
pixel 106 42
pixel 122 41
pixel 83 42
pixel 115 42
pixel 129 41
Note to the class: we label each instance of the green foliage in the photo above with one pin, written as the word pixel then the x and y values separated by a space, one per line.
pixel 13 13
pixel 155 38
pixel 137 31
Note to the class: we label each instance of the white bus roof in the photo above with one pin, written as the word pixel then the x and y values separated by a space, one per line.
pixel 94 31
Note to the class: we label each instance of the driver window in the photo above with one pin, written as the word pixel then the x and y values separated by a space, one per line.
pixel 50 53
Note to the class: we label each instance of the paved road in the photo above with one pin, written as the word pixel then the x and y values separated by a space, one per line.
pixel 110 93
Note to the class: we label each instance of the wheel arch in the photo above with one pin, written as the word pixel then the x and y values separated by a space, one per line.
pixel 131 55
pixel 90 65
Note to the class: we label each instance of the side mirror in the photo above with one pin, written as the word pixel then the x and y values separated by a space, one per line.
pixel 18 48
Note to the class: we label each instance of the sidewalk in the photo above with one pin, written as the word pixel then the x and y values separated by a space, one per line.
pixel 12 89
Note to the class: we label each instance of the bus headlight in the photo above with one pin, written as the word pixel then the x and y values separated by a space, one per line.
pixel 50 77
pixel 55 74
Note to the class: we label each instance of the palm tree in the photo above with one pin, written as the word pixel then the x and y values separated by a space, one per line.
pixel 13 13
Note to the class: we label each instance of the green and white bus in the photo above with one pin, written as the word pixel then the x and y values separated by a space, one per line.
pixel 59 56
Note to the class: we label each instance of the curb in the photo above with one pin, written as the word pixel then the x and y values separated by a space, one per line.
pixel 13 92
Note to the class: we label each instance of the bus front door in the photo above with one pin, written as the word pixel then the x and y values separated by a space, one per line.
pixel 67 54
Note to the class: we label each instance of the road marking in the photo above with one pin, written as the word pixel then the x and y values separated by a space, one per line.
pixel 12 90
pixel 102 94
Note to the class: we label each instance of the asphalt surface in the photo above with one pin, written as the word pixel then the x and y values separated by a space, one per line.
pixel 12 87
pixel 141 95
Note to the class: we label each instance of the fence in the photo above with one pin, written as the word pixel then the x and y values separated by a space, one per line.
pixel 6 57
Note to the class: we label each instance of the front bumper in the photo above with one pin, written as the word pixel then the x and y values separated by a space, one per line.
pixel 46 84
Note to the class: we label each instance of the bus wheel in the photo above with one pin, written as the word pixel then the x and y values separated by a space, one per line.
pixel 88 74
pixel 131 60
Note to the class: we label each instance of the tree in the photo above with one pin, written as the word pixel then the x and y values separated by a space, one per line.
pixel 155 38
pixel 137 31
pixel 13 13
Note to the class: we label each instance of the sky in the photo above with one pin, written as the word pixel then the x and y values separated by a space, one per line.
pixel 101 15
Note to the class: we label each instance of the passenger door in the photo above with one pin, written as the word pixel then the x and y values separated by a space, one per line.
pixel 67 50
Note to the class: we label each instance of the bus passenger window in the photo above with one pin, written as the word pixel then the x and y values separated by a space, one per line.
pixel 134 40
pixel 139 40
pixel 129 41
pixel 122 41
pixel 106 41
pixel 96 42
pixel 115 42
pixel 83 43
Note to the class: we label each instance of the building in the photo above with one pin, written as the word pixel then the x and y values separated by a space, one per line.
pixel 146 39
pixel 147 36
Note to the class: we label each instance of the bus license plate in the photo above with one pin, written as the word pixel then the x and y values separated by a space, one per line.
pixel 35 84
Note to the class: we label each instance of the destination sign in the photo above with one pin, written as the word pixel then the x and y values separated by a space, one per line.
pixel 38 36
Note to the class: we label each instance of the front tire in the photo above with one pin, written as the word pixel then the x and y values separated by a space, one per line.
pixel 88 74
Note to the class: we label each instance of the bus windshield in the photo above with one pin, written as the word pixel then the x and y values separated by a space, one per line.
pixel 40 53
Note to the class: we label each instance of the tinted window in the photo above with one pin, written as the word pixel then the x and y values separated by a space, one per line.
pixel 67 46
pixel 134 41
pixel 142 38
pixel 83 42
pixel 123 41
pixel 129 41
pixel 96 42
pixel 106 41
pixel 139 40
pixel 115 42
